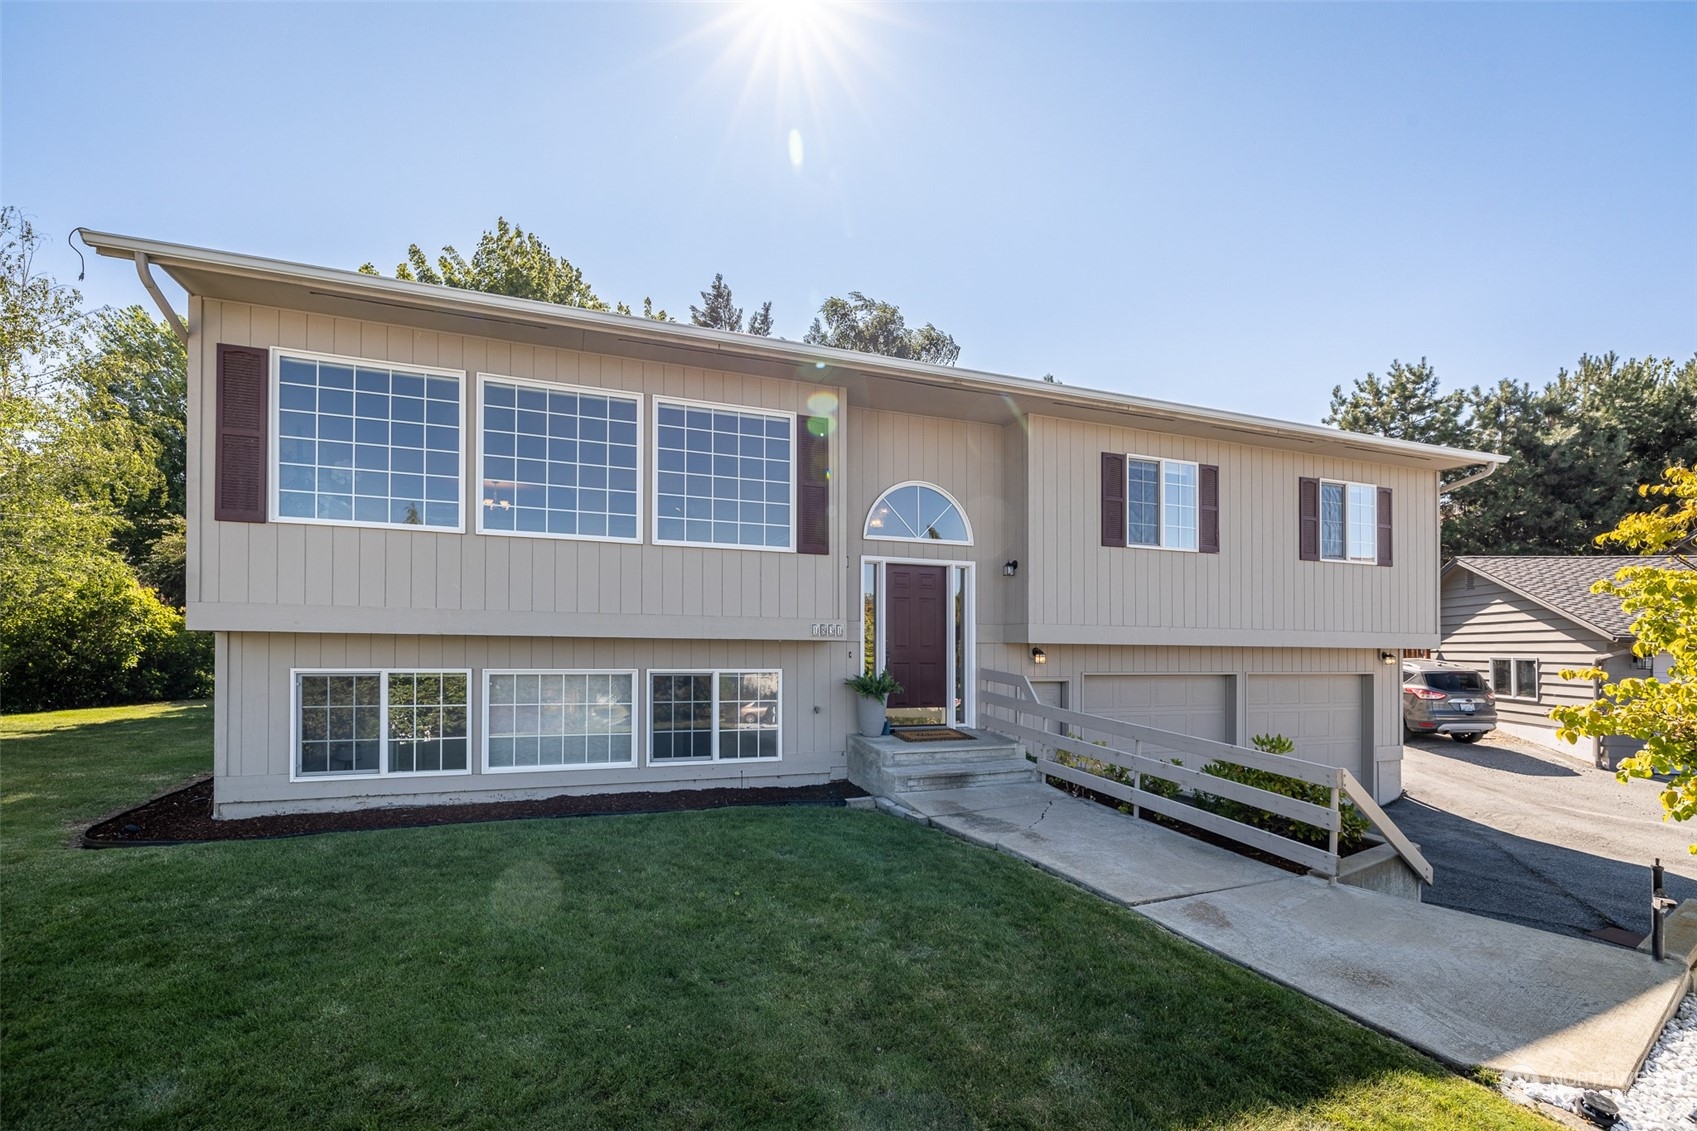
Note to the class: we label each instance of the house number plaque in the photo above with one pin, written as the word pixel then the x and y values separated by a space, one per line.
pixel 827 630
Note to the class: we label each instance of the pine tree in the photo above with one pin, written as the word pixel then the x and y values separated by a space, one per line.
pixel 760 322
pixel 717 311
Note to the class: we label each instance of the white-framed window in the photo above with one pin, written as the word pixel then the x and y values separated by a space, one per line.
pixel 558 460
pixel 365 723
pixel 714 715
pixel 1349 522
pixel 1515 677
pixel 366 443
pixel 724 476
pixel 535 719
pixel 918 512
pixel 1161 502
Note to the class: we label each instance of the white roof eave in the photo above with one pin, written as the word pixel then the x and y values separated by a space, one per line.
pixel 352 284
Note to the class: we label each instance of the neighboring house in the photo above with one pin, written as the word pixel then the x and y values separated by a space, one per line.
pixel 1522 620
pixel 457 545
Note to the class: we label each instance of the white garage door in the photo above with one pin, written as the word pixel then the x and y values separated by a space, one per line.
pixel 1198 705
pixel 1320 713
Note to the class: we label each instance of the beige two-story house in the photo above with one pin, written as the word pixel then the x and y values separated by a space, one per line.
pixel 457 545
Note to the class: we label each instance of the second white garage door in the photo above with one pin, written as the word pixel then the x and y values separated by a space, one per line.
pixel 1320 713
pixel 1197 705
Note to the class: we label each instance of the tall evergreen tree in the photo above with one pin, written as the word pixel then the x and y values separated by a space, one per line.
pixel 760 322
pixel 717 311
pixel 1406 405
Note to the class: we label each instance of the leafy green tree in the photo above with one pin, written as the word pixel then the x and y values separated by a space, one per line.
pixel 138 371
pixel 76 627
pixel 511 261
pixel 869 326
pixel 507 261
pixel 1406 405
pixel 1660 711
pixel 718 312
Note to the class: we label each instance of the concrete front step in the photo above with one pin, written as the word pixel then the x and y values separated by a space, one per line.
pixel 952 753
pixel 960 775
pixel 886 766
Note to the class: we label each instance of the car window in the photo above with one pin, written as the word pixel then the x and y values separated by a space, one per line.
pixel 1455 681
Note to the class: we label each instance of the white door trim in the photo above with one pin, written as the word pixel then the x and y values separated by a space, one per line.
pixel 969 704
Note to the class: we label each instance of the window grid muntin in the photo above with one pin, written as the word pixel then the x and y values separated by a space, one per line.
pixel 427 721
pixel 600 703
pixel 696 704
pixel 537 492
pixel 887 522
pixel 1143 501
pixel 302 682
pixel 362 453
pixel 1349 522
pixel 1180 504
pixel 698 496
pixel 1163 503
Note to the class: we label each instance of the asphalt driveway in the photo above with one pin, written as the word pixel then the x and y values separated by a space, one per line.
pixel 1525 834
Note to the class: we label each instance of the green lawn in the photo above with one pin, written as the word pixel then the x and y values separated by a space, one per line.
pixel 757 967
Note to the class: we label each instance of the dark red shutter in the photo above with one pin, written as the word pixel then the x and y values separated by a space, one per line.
pixel 1384 526
pixel 244 375
pixel 1113 499
pixel 1308 519
pixel 1208 509
pixel 813 487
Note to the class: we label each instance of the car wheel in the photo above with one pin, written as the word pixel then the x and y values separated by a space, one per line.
pixel 1473 737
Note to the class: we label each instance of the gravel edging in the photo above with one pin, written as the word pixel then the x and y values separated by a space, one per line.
pixel 184 815
pixel 1664 1095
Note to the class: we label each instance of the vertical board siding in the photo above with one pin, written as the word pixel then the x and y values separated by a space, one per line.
pixel 329 567
pixel 971 462
pixel 253 713
pixel 1257 582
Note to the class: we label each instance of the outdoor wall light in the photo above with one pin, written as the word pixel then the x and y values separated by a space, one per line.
pixel 1038 656
pixel 1387 658
pixel 1010 568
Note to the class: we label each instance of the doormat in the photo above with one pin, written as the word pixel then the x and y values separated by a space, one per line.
pixel 931 734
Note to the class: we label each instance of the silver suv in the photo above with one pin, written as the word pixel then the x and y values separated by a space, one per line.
pixel 1445 698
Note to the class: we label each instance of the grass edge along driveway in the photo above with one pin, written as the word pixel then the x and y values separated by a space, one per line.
pixel 730 968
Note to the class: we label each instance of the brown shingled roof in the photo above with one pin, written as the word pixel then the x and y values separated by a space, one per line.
pixel 1563 584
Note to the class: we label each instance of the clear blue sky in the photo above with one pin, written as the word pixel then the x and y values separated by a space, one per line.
pixel 1238 206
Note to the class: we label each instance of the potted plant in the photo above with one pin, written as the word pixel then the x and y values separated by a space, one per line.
pixel 874 692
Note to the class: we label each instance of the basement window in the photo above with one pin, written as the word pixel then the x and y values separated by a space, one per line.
pixel 714 716
pixel 379 723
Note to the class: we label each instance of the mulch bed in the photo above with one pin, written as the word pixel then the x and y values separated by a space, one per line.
pixel 184 816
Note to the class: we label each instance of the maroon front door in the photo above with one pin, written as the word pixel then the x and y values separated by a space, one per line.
pixel 917 633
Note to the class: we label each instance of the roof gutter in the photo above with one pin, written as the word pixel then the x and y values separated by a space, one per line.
pixel 354 285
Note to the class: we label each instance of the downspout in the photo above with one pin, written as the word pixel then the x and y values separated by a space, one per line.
pixel 144 268
pixel 1490 468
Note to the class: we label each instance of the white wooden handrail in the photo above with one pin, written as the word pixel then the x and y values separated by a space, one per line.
pixel 1110 735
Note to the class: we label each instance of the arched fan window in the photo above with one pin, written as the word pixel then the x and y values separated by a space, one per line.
pixel 918 512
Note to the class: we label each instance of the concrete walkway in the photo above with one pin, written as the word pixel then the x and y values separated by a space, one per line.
pixel 1468 990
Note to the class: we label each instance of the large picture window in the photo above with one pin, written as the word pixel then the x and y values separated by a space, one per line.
pixel 1349 522
pixel 540 720
pixel 367 443
pixel 713 715
pixel 371 723
pixel 724 476
pixel 1161 503
pixel 558 461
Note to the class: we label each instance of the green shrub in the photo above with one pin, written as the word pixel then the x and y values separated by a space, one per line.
pixel 1352 824
pixel 1160 787
pixel 97 637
